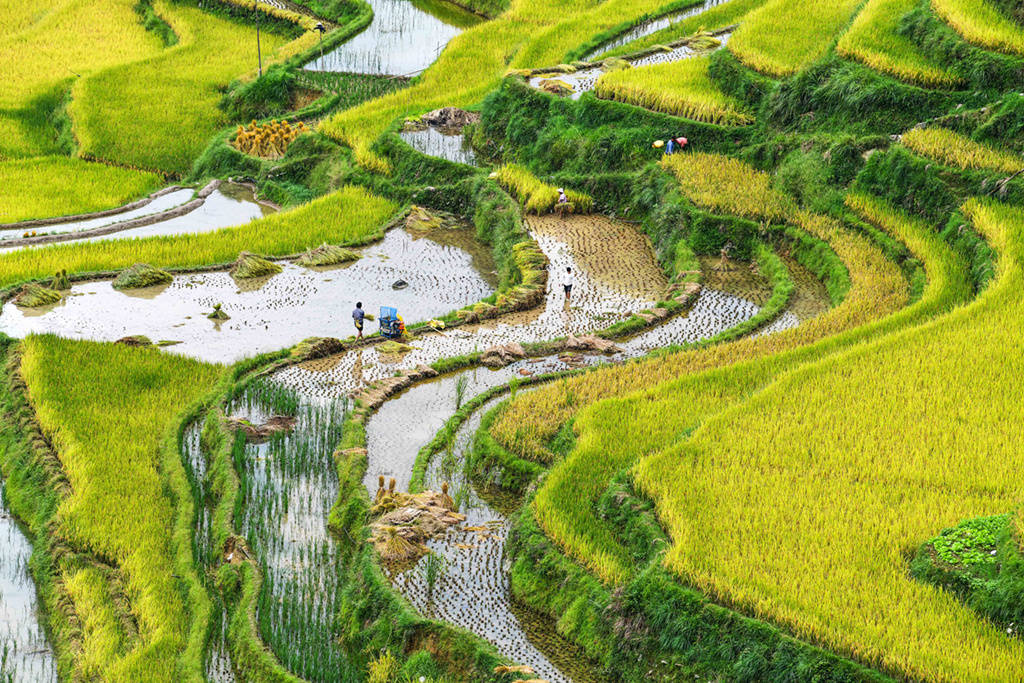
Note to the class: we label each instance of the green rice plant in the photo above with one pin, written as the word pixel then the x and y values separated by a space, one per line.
pixel 613 434
pixel 460 390
pixel 304 21
pixel 981 23
pixel 874 41
pixel 530 34
pixel 140 275
pixel 718 17
pixel 846 471
pixel 348 216
pixel 107 410
pixel 783 36
pixel 683 88
pixel 954 149
pixel 29 187
pixel 103 638
pixel 135 115
pixel 42 51
pixel 537 196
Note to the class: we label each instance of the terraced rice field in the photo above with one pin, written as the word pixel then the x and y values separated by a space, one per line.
pixel 742 408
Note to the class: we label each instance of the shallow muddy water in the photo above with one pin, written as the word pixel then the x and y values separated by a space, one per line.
pixel 25 654
pixel 227 206
pixel 653 26
pixel 403 39
pixel 289 486
pixel 585 80
pixel 271 313
pixel 472 589
pixel 432 142
pixel 615 275
pixel 218 666
pixel 163 203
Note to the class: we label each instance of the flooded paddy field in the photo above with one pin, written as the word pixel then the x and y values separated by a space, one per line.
pixel 403 39
pixel 653 26
pixel 438 143
pixel 229 205
pixel 468 585
pixel 272 312
pixel 585 79
pixel 25 654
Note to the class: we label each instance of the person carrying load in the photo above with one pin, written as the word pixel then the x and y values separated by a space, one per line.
pixel 358 316
pixel 563 203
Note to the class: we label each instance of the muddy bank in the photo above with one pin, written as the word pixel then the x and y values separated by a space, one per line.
pixel 267 314
pixel 402 40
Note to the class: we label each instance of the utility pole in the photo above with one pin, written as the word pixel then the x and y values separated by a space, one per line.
pixel 321 28
pixel 259 54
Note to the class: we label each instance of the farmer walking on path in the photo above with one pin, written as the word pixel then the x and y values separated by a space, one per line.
pixel 358 315
pixel 567 283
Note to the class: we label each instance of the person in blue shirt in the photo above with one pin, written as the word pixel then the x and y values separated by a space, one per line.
pixel 671 146
pixel 358 315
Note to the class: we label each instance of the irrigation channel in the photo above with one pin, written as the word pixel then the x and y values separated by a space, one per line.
pixel 230 204
pixel 403 39
pixel 289 482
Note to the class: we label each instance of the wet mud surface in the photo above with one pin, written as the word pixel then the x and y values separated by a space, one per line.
pixel 272 313
pixel 616 274
pixel 403 39
pixel 472 588
pixel 25 654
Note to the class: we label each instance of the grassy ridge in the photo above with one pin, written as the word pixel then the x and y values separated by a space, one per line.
pixel 50 48
pixel 107 409
pixel 980 22
pixel 874 40
pixel 531 33
pixel 953 149
pixel 800 504
pixel 349 216
pixel 58 186
pixel 613 434
pixel 783 36
pixel 137 115
pixel 683 88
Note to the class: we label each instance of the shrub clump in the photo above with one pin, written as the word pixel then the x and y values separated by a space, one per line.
pixel 141 275
pixel 327 255
pixel 250 265
pixel 34 295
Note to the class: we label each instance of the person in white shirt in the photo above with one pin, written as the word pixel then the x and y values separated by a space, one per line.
pixel 568 282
